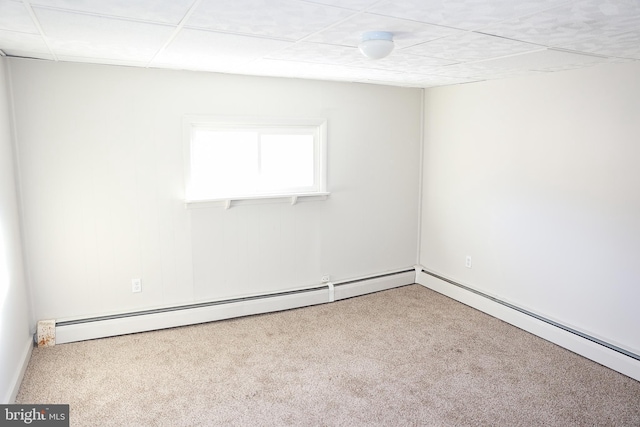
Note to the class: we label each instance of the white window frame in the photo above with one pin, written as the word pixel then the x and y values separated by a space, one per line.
pixel 318 126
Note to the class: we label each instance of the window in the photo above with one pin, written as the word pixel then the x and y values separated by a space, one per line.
pixel 236 159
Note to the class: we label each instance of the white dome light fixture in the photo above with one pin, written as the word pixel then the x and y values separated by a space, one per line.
pixel 376 44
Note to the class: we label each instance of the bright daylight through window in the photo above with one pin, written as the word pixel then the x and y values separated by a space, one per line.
pixel 254 158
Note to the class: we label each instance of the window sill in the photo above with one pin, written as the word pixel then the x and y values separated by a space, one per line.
pixel 226 203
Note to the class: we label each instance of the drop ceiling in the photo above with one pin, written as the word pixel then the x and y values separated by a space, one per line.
pixel 437 42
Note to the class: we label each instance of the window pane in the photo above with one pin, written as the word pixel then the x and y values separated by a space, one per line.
pixel 287 161
pixel 224 162
pixel 233 159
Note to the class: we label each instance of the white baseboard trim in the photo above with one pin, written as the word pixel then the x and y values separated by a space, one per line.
pixel 86 329
pixel 16 381
pixel 592 350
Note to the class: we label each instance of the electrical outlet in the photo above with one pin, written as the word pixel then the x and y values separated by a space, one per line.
pixel 467 262
pixel 136 285
pixel 325 279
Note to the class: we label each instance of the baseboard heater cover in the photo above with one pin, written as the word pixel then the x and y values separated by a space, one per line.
pixel 170 317
pixel 607 354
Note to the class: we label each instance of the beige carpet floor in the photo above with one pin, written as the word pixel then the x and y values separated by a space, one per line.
pixel 403 357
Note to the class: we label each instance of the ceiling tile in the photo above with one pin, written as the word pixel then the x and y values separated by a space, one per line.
pixel 162 11
pixel 545 60
pixel 283 19
pixel 469 72
pixel 90 36
pixel 434 80
pixel 403 62
pixel 437 41
pixel 28 43
pixel 365 74
pixel 542 60
pixel 14 17
pixel 471 47
pixel 277 67
pixel 318 53
pixel 457 71
pixel 625 45
pixel 347 4
pixel 575 22
pixel 207 50
pixel 405 32
pixel 318 71
pixel 464 14
pixel 424 80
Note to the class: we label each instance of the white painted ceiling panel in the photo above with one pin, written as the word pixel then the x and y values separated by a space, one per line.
pixel 90 36
pixel 283 19
pixel 202 50
pixel 318 53
pixel 465 14
pixel 575 22
pixel 162 11
pixel 625 45
pixel 347 4
pixel 471 47
pixel 406 33
pixel 438 42
pixel 29 45
pixel 15 17
pixel 324 71
pixel 434 80
pixel 402 62
pixel 458 71
pixel 543 60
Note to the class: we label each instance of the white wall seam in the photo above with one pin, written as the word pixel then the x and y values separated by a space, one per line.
pixel 421 173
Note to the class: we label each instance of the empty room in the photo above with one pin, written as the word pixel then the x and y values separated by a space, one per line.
pixel 319 212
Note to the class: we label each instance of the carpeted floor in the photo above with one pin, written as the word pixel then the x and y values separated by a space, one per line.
pixel 403 357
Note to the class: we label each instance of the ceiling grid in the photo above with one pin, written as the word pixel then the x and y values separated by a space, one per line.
pixel 436 42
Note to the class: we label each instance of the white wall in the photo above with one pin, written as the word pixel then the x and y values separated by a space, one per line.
pixel 100 154
pixel 15 318
pixel 538 180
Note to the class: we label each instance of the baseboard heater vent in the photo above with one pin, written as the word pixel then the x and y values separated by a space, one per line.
pixel 603 352
pixel 185 307
pixel 537 316
pixel 182 315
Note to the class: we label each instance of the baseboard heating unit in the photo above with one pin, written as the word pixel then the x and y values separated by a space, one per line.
pixel 598 350
pixel 169 317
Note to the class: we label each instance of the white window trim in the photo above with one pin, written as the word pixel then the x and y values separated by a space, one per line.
pixel 293 198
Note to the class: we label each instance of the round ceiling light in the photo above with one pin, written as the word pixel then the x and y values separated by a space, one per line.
pixel 376 44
